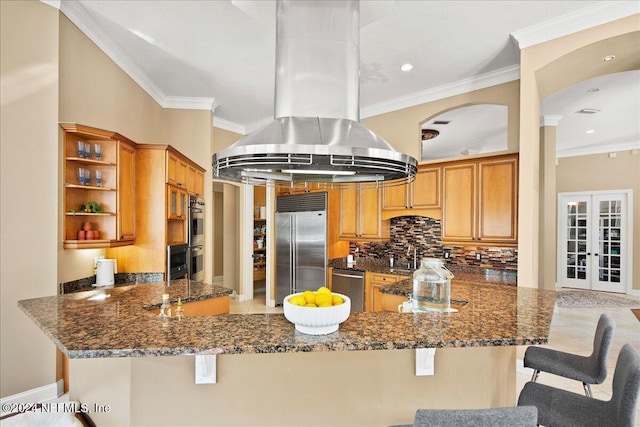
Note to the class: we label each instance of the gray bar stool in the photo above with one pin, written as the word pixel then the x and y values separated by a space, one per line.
pixel 518 416
pixel 563 408
pixel 588 369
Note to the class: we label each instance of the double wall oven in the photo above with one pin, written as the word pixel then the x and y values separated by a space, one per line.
pixel 195 236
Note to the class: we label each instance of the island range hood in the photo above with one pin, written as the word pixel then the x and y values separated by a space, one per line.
pixel 316 135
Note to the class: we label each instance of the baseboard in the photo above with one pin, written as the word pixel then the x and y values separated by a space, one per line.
pixel 35 395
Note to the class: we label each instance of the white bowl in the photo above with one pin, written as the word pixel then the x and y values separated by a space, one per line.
pixel 316 320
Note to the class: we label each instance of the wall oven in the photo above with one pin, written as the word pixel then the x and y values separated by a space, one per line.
pixel 195 227
pixel 195 236
pixel 177 261
pixel 196 263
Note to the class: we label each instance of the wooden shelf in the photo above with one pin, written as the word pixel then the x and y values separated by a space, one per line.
pixel 89 187
pixel 87 244
pixel 86 161
pixel 90 213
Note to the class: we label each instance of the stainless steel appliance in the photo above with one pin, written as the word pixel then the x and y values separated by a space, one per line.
pixel 195 236
pixel 196 222
pixel 301 243
pixel 177 261
pixel 351 284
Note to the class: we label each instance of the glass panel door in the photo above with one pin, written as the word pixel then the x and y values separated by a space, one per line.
pixel 593 252
pixel 574 235
pixel 609 251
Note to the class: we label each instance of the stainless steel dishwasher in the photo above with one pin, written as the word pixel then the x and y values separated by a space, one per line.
pixel 351 284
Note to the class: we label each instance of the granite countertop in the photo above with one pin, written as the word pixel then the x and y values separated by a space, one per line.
pixel 122 326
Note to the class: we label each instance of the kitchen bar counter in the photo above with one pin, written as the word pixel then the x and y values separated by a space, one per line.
pixel 92 325
pixel 468 274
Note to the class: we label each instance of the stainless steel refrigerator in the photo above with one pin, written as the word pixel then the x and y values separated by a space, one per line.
pixel 301 243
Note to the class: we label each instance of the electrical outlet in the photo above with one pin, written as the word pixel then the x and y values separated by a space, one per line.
pixel 447 253
pixel 478 256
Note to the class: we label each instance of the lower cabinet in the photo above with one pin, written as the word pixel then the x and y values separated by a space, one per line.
pixel 206 307
pixel 373 296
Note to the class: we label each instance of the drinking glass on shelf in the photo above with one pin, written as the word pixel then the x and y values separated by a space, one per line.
pixel 80 148
pixel 87 150
pixel 84 176
pixel 99 178
pixel 97 150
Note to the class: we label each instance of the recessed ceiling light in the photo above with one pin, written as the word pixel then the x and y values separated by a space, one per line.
pixel 406 67
pixel 590 131
pixel 609 58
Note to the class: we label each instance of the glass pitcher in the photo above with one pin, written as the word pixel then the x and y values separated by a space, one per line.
pixel 432 286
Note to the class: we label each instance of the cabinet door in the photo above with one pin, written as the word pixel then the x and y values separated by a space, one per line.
pixel 497 208
pixel 426 188
pixel 191 179
pixel 459 208
pixel 126 209
pixel 348 213
pixel 395 197
pixel 176 170
pixel 199 183
pixel 370 214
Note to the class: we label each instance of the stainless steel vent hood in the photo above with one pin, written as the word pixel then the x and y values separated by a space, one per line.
pixel 316 135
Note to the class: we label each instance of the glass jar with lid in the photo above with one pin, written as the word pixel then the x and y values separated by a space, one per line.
pixel 432 286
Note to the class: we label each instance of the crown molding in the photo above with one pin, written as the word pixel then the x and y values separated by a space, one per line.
pixel 238 128
pixel 481 81
pixel 189 103
pixel 592 16
pixel 79 16
pixel 228 125
pixel 550 120
pixel 600 149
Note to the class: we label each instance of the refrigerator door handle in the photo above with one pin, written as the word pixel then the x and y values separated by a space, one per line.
pixel 292 254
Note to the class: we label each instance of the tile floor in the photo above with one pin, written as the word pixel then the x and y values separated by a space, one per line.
pixel 571 331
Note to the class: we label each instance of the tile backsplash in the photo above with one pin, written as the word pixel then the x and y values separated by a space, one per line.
pixel 425 234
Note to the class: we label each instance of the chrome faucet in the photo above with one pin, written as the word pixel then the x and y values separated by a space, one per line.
pixel 415 256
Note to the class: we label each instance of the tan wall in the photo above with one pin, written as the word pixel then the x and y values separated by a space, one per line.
pixel 94 91
pixel 600 172
pixel 546 68
pixel 401 128
pixel 230 233
pixel 342 388
pixel 29 188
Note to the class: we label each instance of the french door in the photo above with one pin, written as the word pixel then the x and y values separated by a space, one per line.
pixel 593 241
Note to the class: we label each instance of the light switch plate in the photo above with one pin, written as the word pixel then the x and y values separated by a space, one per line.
pixel 425 361
pixel 206 369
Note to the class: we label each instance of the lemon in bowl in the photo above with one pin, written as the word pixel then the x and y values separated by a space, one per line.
pixel 320 317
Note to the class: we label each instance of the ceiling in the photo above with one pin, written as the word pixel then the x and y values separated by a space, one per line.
pixel 220 55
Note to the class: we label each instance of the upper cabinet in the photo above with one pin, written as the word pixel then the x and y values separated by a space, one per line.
pixel 99 188
pixel 360 215
pixel 422 197
pixel 176 170
pixel 126 209
pixel 185 174
pixel 480 200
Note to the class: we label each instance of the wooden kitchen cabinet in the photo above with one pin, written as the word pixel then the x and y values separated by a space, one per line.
pixel 195 181
pixel 360 215
pixel 480 200
pixel 115 221
pixel 126 211
pixel 176 170
pixel 176 203
pixel 422 197
pixel 372 294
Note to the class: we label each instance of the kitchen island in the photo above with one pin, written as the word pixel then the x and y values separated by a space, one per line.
pixel 269 374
